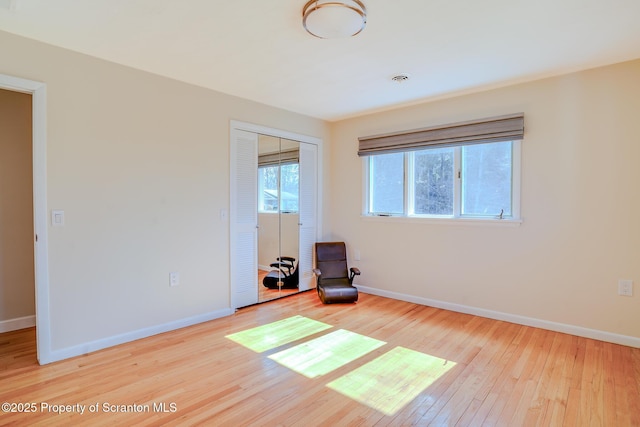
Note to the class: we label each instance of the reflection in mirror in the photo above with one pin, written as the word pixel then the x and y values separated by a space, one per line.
pixel 278 190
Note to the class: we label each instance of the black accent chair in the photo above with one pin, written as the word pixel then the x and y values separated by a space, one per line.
pixel 286 272
pixel 334 280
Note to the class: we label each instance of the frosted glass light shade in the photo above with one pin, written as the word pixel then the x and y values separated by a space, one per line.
pixel 334 19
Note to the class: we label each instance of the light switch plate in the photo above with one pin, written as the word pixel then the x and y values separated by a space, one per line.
pixel 57 218
pixel 625 287
pixel 174 278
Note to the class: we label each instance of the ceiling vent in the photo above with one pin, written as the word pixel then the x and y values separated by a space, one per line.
pixel 400 78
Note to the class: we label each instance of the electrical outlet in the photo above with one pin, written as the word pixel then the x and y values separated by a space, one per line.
pixel 625 287
pixel 174 278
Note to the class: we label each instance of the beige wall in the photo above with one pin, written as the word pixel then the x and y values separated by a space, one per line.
pixel 580 205
pixel 140 165
pixel 16 207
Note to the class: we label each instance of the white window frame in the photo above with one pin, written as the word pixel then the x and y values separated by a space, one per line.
pixel 279 201
pixel 457 217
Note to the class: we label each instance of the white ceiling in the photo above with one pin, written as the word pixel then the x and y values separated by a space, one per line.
pixel 257 49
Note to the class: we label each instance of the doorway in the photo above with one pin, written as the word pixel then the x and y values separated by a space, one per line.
pixel 17 282
pixel 37 91
pixel 273 212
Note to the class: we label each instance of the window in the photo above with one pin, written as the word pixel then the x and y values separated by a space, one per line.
pixel 387 195
pixel 431 181
pixel 486 177
pixel 468 181
pixel 278 183
pixel 461 170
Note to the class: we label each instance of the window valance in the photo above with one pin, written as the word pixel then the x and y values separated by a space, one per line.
pixel 279 158
pixel 493 129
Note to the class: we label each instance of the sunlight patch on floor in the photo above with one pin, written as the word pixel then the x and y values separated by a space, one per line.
pixel 327 353
pixel 389 382
pixel 272 335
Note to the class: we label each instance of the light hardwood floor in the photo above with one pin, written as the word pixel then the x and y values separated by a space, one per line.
pixel 504 374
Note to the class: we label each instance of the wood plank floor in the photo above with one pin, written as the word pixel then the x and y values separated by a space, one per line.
pixel 504 374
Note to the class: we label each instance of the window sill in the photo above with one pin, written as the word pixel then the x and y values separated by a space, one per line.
pixel 446 221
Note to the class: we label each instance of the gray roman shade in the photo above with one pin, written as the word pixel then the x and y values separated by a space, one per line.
pixel 493 129
pixel 279 157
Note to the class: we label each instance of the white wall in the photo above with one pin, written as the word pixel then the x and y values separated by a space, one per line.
pixel 140 165
pixel 580 205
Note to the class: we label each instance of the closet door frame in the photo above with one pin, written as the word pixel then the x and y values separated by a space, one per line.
pixel 244 218
pixel 236 126
pixel 307 214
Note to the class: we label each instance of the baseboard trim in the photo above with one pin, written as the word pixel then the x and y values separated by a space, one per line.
pixel 17 323
pixel 100 344
pixel 508 317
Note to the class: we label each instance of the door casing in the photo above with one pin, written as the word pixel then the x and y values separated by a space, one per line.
pixel 38 91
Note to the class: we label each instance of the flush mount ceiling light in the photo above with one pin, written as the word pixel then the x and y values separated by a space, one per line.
pixel 334 19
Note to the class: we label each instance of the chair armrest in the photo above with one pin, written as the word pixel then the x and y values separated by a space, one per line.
pixel 288 258
pixel 280 264
pixel 354 272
